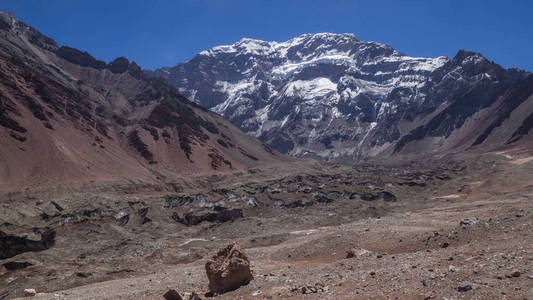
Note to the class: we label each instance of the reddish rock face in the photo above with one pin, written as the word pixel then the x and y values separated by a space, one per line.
pixel 228 269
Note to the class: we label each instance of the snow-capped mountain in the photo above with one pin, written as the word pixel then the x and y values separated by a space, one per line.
pixel 337 97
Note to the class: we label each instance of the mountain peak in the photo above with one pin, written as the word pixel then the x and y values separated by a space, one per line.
pixel 261 47
pixel 462 54
pixel 7 20
pixel 328 35
pixel 9 23
pixel 294 94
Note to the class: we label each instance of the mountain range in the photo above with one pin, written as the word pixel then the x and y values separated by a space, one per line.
pixel 67 117
pixel 337 98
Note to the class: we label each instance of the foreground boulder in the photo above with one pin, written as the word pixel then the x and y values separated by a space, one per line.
pixel 228 269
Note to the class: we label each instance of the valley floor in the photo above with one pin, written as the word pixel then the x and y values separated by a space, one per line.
pixel 460 229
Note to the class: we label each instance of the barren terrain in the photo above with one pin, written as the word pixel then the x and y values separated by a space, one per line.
pixel 416 232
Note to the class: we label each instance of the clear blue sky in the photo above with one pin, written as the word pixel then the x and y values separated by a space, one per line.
pixel 162 33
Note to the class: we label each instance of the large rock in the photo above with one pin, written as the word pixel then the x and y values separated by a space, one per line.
pixel 228 269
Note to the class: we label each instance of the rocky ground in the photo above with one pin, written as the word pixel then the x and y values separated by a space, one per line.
pixel 456 228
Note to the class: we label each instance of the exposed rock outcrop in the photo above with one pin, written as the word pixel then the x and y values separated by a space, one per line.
pixel 11 245
pixel 221 216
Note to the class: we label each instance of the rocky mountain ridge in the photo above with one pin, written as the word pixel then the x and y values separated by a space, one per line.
pixel 66 117
pixel 336 97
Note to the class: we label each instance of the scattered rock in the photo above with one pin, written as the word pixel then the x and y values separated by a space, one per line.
pixel 121 218
pixel 354 252
pixel 228 269
pixel 515 274
pixel 452 268
pixel 465 286
pixel 223 215
pixel 15 265
pixel 172 295
pixel 310 289
pixel 195 296
pixel 384 196
pixel 468 222
pixel 142 212
pixel 350 253
pixel 29 293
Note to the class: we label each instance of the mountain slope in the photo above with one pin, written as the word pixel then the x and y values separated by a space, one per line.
pixel 337 97
pixel 66 117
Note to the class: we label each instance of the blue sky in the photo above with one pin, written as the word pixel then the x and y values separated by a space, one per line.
pixel 162 33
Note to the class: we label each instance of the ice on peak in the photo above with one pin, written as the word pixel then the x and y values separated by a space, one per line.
pixel 327 35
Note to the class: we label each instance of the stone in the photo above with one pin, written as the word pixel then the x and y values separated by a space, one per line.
pixel 452 268
pixel 515 274
pixel 228 269
pixel 195 296
pixel 121 218
pixel 29 293
pixel 15 265
pixel 350 253
pixel 354 252
pixel 468 222
pixel 465 286
pixel 172 294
